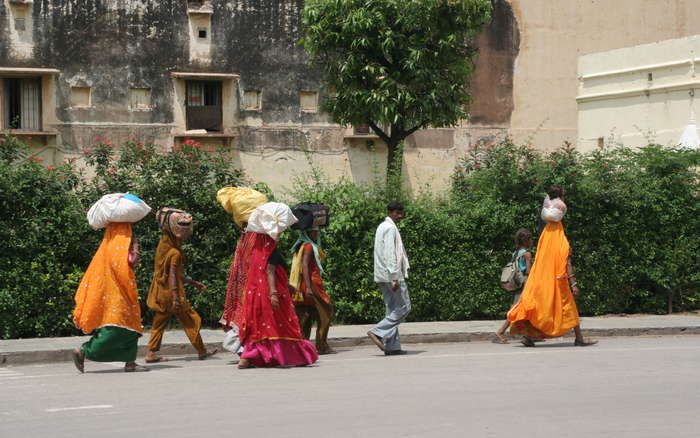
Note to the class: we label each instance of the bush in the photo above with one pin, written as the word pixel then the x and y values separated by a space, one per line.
pixel 633 222
pixel 46 244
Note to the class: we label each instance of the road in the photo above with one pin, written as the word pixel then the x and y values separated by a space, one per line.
pixel 623 387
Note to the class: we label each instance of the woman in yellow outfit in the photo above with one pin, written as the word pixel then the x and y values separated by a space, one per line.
pixel 547 308
pixel 107 303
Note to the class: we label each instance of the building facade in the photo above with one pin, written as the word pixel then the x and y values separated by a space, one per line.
pixel 231 74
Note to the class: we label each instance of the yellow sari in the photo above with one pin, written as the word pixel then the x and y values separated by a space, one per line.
pixel 547 308
pixel 107 293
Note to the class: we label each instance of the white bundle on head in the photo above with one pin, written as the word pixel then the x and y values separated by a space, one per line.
pixel 117 207
pixel 553 211
pixel 271 219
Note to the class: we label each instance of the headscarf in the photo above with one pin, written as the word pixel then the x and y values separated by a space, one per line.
pixel 107 293
pixel 175 222
pixel 305 238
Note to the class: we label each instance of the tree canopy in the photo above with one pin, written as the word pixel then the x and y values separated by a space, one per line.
pixel 403 64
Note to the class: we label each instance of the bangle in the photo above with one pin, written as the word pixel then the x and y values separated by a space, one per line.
pixel 574 284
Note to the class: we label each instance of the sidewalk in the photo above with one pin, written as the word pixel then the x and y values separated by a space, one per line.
pixel 23 351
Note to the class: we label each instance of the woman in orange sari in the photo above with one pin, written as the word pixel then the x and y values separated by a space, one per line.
pixel 107 303
pixel 547 308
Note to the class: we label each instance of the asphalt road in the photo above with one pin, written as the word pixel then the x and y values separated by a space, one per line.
pixel 624 387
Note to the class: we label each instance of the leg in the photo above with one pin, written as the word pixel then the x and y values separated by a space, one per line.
pixel 500 338
pixel 305 319
pixel 160 321
pixel 324 312
pixel 398 305
pixel 191 323
pixel 580 340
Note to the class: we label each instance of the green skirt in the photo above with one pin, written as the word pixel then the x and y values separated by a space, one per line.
pixel 111 344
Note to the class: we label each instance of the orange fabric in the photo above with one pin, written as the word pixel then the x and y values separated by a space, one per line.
pixel 160 297
pixel 315 275
pixel 547 307
pixel 107 293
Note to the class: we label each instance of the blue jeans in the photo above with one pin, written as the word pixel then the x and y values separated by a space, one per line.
pixel 398 305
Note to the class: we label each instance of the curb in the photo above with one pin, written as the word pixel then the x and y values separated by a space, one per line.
pixel 64 355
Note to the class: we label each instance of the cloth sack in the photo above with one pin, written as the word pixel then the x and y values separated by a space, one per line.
pixel 240 202
pixel 271 219
pixel 117 207
pixel 512 278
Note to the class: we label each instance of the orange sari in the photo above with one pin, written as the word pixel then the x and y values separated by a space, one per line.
pixel 107 293
pixel 547 308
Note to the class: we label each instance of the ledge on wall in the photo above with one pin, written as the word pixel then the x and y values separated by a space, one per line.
pixel 27 132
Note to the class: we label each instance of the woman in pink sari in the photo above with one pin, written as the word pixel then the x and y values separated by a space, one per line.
pixel 269 330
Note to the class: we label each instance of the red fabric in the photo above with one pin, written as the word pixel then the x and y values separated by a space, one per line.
pixel 262 324
pixel 280 353
pixel 233 307
pixel 315 275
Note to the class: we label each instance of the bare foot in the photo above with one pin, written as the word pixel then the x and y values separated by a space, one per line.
pixel 132 367
pixel 152 357
pixel 208 354
pixel 244 363
pixel 499 339
pixel 79 359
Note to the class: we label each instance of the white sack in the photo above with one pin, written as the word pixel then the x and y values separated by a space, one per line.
pixel 271 219
pixel 117 207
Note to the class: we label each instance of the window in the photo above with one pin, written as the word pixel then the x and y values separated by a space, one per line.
pixel 308 100
pixel 203 105
pixel 140 98
pixel 360 130
pixel 79 97
pixel 252 100
pixel 202 33
pixel 20 24
pixel 21 103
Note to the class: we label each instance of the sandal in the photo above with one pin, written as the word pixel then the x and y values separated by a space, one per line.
pixel 79 360
pixel 527 342
pixel 328 350
pixel 500 339
pixel 208 354
pixel 157 359
pixel 135 368
pixel 583 342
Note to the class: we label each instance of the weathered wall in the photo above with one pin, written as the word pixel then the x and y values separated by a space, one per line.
pixel 554 33
pixel 114 45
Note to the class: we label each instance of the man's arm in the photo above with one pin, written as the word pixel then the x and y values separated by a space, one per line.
pixel 390 257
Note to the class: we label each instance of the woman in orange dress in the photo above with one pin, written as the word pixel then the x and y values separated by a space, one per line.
pixel 107 302
pixel 547 308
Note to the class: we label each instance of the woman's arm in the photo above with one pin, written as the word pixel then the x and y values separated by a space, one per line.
pixel 274 296
pixel 570 275
pixel 172 285
pixel 528 262
pixel 306 271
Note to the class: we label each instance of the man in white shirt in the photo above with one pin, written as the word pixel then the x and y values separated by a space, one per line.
pixel 390 273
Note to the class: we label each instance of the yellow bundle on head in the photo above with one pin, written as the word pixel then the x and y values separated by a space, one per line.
pixel 240 202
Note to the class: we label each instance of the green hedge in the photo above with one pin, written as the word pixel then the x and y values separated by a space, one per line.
pixel 633 222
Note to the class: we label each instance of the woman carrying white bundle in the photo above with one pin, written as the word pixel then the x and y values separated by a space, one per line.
pixel 547 308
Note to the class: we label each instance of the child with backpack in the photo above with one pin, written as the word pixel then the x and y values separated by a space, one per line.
pixel 515 275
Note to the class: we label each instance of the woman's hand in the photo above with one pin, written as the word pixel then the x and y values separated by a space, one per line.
pixel 274 300
pixel 198 285
pixel 575 290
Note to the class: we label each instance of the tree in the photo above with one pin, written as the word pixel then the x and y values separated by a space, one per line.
pixel 397 64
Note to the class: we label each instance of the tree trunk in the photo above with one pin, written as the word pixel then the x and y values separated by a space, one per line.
pixel 394 161
pixel 670 301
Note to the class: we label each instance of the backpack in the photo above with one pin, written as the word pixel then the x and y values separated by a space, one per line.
pixel 310 215
pixel 512 278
